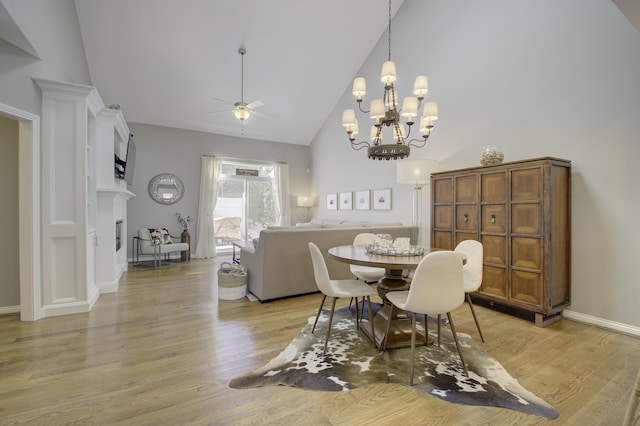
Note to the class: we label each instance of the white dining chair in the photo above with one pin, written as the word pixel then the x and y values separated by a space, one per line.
pixel 337 289
pixel 368 274
pixel 437 288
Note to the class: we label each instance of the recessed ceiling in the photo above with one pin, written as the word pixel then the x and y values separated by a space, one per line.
pixel 167 62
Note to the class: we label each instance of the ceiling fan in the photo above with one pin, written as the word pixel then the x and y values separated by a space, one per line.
pixel 242 110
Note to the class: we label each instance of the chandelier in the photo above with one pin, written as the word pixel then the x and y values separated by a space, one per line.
pixel 385 113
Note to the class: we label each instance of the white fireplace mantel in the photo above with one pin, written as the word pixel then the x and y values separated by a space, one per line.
pixel 82 199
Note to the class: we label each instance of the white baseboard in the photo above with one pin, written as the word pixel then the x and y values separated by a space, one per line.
pixel 599 322
pixel 10 310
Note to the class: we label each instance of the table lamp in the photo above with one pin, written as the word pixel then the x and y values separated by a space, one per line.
pixel 306 202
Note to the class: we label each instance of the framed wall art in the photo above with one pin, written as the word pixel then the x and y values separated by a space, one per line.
pixel 363 200
pixel 332 201
pixel 382 199
pixel 346 201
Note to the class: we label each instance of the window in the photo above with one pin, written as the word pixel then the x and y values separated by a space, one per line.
pixel 246 201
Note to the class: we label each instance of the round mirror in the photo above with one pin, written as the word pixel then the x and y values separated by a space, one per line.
pixel 166 188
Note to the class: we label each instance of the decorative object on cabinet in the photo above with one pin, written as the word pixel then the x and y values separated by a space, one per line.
pixel 382 199
pixel 332 201
pixel 166 188
pixel 385 112
pixel 363 200
pixel 521 213
pixel 346 201
pixel 491 155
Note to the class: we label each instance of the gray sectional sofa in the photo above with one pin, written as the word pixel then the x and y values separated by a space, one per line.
pixel 279 263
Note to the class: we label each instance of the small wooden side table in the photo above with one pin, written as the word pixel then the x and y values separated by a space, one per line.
pixel 240 245
pixel 185 238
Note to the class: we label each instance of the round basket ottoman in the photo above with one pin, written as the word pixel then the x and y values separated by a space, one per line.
pixel 232 281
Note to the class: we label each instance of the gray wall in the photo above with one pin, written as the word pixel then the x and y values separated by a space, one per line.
pixel 9 258
pixel 177 151
pixel 540 78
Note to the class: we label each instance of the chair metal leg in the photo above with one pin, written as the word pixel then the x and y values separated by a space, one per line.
pixel 413 346
pixel 326 339
pixel 475 318
pixel 439 323
pixel 426 330
pixel 455 337
pixel 357 316
pixel 324 297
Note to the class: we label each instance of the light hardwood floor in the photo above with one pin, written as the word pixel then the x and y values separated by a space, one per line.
pixel 163 348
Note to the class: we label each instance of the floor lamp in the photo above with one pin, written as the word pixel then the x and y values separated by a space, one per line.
pixel 305 202
pixel 418 174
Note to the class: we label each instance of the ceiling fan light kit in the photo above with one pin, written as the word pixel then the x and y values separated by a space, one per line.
pixel 385 113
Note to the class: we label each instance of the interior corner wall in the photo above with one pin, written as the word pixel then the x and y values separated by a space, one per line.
pixel 9 257
pixel 539 78
pixel 178 151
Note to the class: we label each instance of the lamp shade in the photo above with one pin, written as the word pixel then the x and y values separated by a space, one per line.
pixel 409 107
pixel 359 87
pixel 416 172
pixel 304 201
pixel 376 109
pixel 421 86
pixel 430 111
pixel 388 73
pixel 348 117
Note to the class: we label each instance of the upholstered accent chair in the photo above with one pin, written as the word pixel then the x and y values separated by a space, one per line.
pixel 156 242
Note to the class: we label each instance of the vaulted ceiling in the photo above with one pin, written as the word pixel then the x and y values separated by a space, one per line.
pixel 177 64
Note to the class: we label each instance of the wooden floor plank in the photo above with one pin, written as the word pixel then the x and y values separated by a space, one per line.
pixel 163 349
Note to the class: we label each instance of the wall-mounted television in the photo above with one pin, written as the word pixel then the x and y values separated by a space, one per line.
pixel 130 161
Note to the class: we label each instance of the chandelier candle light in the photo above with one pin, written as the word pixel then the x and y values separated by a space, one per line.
pixel 385 112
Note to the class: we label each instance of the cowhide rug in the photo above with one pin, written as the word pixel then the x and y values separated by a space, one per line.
pixel 352 361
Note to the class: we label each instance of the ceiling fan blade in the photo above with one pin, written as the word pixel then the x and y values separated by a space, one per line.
pixel 223 101
pixel 255 104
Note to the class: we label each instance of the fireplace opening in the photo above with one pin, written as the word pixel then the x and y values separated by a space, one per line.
pixel 118 234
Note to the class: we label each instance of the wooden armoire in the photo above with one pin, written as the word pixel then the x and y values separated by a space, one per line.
pixel 521 212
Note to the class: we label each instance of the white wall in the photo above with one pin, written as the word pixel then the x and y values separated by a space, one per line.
pixel 540 78
pixel 178 151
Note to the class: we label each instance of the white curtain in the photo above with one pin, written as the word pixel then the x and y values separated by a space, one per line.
pixel 209 178
pixel 283 210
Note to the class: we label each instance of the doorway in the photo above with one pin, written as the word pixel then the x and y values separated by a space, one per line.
pixel 28 136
